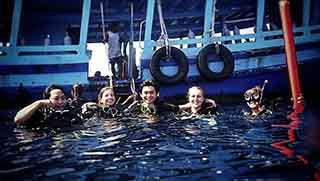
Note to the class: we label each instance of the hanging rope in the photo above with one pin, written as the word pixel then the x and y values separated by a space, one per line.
pixel 164 34
pixel 102 22
pixel 104 37
pixel 213 18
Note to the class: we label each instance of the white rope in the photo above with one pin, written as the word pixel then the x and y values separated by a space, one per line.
pixel 104 37
pixel 102 21
pixel 213 18
pixel 164 33
pixel 140 33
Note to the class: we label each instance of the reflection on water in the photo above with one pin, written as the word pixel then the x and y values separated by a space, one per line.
pixel 226 146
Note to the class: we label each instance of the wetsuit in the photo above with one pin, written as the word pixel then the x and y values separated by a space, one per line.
pixel 160 107
pixel 50 118
pixel 205 109
pixel 102 112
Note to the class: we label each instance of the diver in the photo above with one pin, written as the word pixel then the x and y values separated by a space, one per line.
pixel 149 104
pixel 197 103
pixel 199 113
pixel 52 111
pixel 253 98
pixel 106 107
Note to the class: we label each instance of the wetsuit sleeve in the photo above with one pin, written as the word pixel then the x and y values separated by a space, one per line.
pixel 35 120
pixel 209 109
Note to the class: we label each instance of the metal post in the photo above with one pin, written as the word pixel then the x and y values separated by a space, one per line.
pixel 15 22
pixel 148 46
pixel 260 19
pixel 291 56
pixel 102 22
pixel 131 54
pixel 84 26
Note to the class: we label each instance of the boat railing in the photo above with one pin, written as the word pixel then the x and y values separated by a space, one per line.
pixel 41 54
pixel 16 53
pixel 265 39
pixel 261 36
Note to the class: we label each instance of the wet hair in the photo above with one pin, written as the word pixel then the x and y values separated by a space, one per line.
pixel 46 93
pixel 195 87
pixel 103 90
pixel 148 83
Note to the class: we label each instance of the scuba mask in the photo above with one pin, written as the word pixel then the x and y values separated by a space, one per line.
pixel 253 94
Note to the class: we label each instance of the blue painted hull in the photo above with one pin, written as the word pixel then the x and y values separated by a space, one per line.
pixel 251 68
pixel 235 85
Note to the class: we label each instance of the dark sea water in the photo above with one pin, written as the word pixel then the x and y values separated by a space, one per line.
pixel 226 146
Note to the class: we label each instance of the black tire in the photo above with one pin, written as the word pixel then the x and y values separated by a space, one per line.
pixel 221 52
pixel 177 56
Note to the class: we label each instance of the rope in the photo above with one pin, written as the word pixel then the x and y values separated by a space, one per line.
pixel 213 18
pixel 104 36
pixel 164 33
pixel 140 33
pixel 133 88
pixel 102 21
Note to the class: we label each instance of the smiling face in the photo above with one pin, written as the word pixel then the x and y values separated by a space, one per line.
pixel 149 94
pixel 196 97
pixel 57 99
pixel 252 97
pixel 107 97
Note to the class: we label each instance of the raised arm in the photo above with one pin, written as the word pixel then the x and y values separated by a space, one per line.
pixel 184 106
pixel 88 106
pixel 211 102
pixel 25 114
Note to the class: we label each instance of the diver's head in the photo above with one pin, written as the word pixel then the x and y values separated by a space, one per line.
pixel 149 92
pixel 196 97
pixel 115 27
pixel 106 97
pixel 252 97
pixel 56 96
pixel 76 91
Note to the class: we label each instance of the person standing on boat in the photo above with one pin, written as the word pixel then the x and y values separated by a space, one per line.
pixel 52 111
pixel 117 42
pixel 191 35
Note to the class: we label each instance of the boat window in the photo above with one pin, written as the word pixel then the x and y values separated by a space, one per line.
pixel 49 22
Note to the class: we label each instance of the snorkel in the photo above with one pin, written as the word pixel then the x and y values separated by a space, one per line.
pixel 254 98
pixel 262 90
